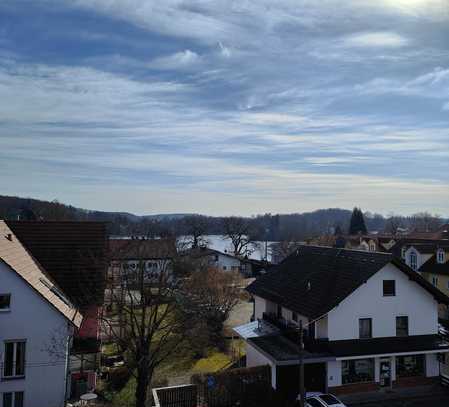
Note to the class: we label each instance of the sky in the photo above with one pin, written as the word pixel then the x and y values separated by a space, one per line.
pixel 226 107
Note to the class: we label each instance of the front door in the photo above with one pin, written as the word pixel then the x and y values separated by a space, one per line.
pixel 385 373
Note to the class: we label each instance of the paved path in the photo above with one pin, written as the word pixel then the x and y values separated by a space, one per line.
pixel 419 396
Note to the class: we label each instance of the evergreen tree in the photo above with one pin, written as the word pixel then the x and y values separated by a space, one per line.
pixel 357 224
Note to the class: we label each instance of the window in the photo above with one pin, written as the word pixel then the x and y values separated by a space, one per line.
pixel 295 316
pixel 14 362
pixel 357 371
pixel 372 247
pixel 441 256
pixel 435 281
pixel 5 300
pixel 389 287
pixel 401 326
pixel 410 366
pixel 329 399
pixel 224 268
pixel 279 311
pixel 314 403
pixel 413 261
pixel 365 328
pixel 13 399
pixel 403 251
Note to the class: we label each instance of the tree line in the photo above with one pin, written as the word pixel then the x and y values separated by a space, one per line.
pixel 271 227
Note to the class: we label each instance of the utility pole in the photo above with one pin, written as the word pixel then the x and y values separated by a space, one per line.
pixel 302 396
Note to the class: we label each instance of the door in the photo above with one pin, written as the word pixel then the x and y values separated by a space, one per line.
pixel 385 373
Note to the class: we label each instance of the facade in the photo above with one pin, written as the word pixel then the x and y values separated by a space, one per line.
pixel 205 256
pixel 369 320
pixel 74 255
pixel 37 322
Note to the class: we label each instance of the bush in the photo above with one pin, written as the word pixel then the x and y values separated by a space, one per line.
pixel 118 378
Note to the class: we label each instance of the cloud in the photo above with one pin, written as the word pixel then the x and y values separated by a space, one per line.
pixel 375 40
pixel 180 60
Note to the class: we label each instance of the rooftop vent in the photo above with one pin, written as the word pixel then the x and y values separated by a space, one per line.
pixel 9 237
pixel 309 286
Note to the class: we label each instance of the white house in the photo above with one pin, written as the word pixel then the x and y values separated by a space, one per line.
pixel 225 261
pixel 36 326
pixel 370 322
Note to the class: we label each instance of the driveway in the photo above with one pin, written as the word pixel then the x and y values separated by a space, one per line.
pixel 419 396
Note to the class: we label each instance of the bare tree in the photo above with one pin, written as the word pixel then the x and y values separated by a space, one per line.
pixel 281 250
pixel 151 324
pixel 239 231
pixel 393 223
pixel 211 295
pixel 425 222
pixel 196 229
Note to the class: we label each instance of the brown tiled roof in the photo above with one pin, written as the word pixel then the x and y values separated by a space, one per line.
pixel 74 254
pixel 136 249
pixel 15 255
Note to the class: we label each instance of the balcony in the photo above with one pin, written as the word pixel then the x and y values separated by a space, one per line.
pixel 290 331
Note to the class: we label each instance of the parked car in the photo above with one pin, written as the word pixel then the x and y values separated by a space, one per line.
pixel 322 400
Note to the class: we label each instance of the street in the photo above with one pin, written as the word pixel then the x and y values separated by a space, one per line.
pixel 436 401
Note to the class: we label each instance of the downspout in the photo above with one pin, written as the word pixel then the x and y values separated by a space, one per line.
pixel 67 363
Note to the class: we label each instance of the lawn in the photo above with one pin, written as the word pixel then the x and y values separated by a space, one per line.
pixel 177 369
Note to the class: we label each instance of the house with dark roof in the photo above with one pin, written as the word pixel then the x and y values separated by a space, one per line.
pixel 127 256
pixel 224 261
pixel 370 322
pixel 37 324
pixel 74 255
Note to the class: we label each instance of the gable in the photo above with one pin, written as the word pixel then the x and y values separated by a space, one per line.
pixel 367 301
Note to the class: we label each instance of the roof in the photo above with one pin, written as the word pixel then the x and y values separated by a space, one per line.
pixel 135 249
pixel 432 266
pixel 382 346
pixel 18 258
pixel 314 279
pixel 281 349
pixel 200 252
pixel 72 253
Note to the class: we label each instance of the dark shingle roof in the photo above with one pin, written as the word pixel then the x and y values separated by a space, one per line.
pixel 314 279
pixel 73 254
pixel 432 266
pixel 137 249
pixel 282 350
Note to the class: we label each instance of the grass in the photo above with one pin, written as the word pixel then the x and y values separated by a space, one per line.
pixel 181 363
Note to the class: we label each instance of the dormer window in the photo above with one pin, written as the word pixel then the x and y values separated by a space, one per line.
pixel 413 261
pixel 441 257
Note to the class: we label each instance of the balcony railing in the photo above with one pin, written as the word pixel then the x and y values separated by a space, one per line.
pixel 290 331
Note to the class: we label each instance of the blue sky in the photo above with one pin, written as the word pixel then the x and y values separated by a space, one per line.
pixel 226 107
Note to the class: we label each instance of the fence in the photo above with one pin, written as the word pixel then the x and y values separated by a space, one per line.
pixel 249 387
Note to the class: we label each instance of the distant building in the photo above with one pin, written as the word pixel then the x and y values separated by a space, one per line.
pixel 205 256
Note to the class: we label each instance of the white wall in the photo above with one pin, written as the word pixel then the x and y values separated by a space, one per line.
pixel 255 358
pixel 432 365
pixel 368 302
pixel 260 306
pixel 228 262
pixel 32 318
pixel 321 328
pixel 334 373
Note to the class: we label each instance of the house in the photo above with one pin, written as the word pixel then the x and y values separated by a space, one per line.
pixel 74 254
pixel 127 255
pixel 370 322
pixel 205 256
pixel 37 323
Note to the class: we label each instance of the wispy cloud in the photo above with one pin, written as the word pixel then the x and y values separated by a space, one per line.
pixel 375 39
pixel 225 108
